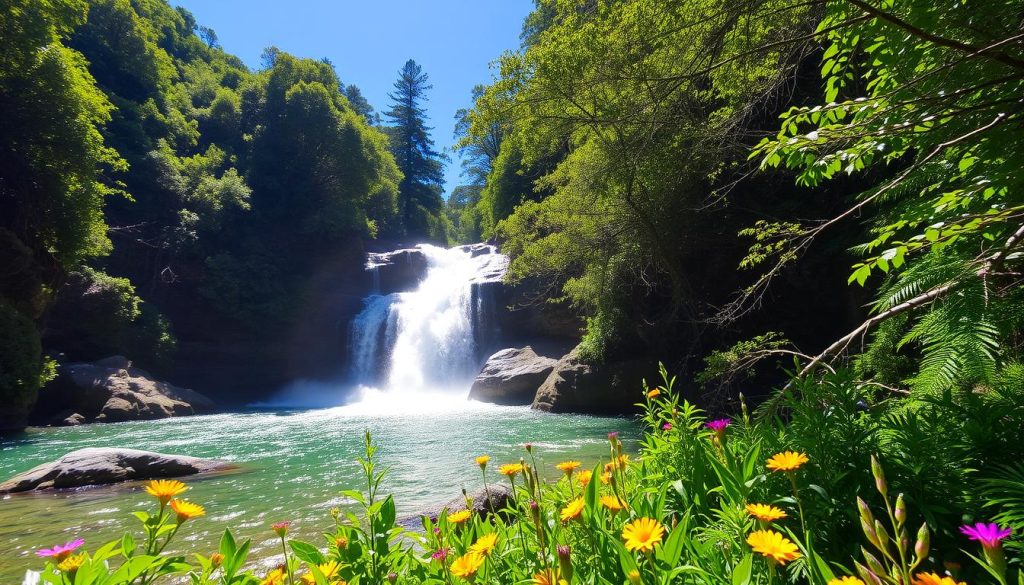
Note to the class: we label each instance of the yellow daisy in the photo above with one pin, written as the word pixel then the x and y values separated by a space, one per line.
pixel 584 477
pixel 846 581
pixel 485 544
pixel 459 517
pixel 613 503
pixel 467 565
pixel 165 489
pixel 934 579
pixel 765 512
pixel 186 510
pixel 511 469
pixel 482 460
pixel 654 393
pixel 569 466
pixel 71 564
pixel 572 510
pixel 643 534
pixel 773 545
pixel 787 461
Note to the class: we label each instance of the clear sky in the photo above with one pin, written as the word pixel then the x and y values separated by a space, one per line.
pixel 368 41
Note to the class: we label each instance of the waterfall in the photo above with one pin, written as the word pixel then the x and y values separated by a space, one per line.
pixel 430 338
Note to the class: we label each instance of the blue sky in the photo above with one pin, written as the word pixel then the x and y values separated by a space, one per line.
pixel 368 42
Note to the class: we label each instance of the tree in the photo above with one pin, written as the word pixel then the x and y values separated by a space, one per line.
pixel 420 201
pixel 359 103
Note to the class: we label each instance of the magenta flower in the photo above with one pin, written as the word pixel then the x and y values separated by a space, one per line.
pixel 718 425
pixel 61 551
pixel 440 555
pixel 613 436
pixel 989 535
pixel 666 427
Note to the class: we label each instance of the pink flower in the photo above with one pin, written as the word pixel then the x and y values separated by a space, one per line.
pixel 666 427
pixel 281 528
pixel 718 425
pixel 440 555
pixel 613 436
pixel 61 551
pixel 989 535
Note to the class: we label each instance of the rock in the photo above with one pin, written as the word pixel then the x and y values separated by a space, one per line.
pixel 397 271
pixel 98 466
pixel 493 501
pixel 578 385
pixel 511 376
pixel 111 390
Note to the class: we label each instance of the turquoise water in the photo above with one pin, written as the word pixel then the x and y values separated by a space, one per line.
pixel 294 463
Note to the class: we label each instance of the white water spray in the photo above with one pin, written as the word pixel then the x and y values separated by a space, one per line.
pixel 422 342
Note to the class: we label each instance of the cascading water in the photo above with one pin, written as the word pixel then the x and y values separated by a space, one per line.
pixel 430 339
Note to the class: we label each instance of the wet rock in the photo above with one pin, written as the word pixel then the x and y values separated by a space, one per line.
pixel 112 390
pixel 580 385
pixel 492 501
pixel 398 271
pixel 511 376
pixel 99 466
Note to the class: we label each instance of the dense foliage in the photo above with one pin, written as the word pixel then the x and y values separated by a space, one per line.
pixel 852 489
pixel 637 146
pixel 134 146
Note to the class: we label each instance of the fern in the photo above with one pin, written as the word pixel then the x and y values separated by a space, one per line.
pixel 1005 494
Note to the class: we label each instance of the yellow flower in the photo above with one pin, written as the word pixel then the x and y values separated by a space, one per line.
pixel 329 570
pixel 773 545
pixel 165 489
pixel 846 581
pixel 186 510
pixel 511 469
pixel 606 477
pixel 654 393
pixel 623 461
pixel 546 577
pixel 643 534
pixel 572 510
pixel 482 460
pixel 613 503
pixel 467 565
pixel 71 564
pixel 275 577
pixel 584 477
pixel 459 517
pixel 765 512
pixel 787 461
pixel 934 579
pixel 634 577
pixel 485 544
pixel 568 466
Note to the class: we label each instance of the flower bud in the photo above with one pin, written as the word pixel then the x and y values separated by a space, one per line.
pixel 392 577
pixel 883 536
pixel 901 509
pixel 869 533
pixel 281 528
pixel 865 511
pixel 565 561
pixel 869 577
pixel 876 470
pixel 529 447
pixel 216 559
pixel 873 563
pixel 923 542
pixel 341 543
pixel 634 577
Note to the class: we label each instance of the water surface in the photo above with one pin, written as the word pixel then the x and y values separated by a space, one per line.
pixel 295 462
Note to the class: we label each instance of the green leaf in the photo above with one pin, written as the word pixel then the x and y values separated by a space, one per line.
pixel 306 552
pixel 741 573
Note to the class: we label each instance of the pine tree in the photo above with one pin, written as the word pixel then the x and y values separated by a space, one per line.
pixel 420 200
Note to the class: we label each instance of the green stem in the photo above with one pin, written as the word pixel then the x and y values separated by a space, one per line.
pixel 287 566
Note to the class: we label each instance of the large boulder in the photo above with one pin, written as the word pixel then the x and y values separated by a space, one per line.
pixel 98 466
pixel 580 385
pixel 112 390
pixel 511 376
